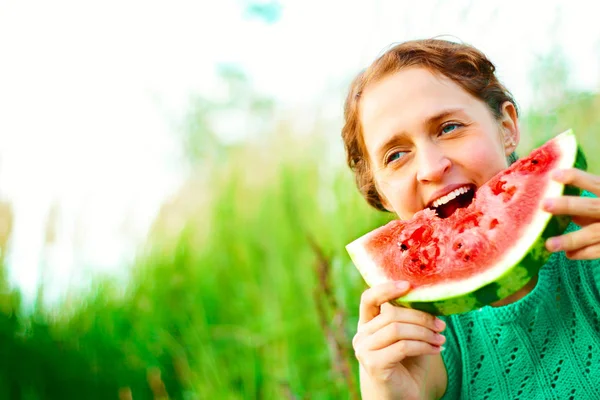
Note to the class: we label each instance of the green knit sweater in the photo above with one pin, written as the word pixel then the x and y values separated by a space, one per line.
pixel 544 346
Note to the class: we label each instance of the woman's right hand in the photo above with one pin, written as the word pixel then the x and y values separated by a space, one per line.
pixel 398 348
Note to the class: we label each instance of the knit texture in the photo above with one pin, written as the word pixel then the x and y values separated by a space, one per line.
pixel 544 346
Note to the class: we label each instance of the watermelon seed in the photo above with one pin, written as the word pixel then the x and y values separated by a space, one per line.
pixel 534 161
pixel 467 257
pixel 422 266
pixel 403 247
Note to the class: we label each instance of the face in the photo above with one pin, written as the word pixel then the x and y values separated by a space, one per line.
pixel 430 143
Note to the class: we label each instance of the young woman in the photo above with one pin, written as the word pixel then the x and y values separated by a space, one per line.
pixel 426 118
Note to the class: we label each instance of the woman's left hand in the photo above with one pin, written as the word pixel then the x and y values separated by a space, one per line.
pixel 583 244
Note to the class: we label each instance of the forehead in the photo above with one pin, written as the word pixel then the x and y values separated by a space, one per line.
pixel 403 103
pixel 409 96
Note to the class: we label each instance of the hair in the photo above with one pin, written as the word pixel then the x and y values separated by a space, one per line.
pixel 462 63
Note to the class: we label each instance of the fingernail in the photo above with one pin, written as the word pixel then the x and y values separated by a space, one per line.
pixel 553 244
pixel 439 338
pixel 442 348
pixel 402 285
pixel 439 324
pixel 548 204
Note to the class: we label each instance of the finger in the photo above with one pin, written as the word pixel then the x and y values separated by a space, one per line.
pixel 378 360
pixel 587 253
pixel 374 297
pixel 590 235
pixel 388 307
pixel 579 178
pixel 399 331
pixel 573 205
pixel 583 221
pixel 390 314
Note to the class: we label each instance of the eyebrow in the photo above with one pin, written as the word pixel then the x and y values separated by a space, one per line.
pixel 433 120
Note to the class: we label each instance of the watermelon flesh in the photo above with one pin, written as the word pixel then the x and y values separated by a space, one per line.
pixel 480 253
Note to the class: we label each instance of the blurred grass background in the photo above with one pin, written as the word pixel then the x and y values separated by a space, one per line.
pixel 243 289
pixel 254 297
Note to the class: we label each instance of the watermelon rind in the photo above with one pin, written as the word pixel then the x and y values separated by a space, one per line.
pixel 512 272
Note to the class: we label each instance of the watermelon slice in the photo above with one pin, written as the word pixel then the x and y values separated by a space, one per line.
pixel 481 253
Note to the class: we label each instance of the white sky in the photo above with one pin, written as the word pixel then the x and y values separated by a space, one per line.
pixel 91 94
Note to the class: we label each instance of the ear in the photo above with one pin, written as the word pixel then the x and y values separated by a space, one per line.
pixel 509 123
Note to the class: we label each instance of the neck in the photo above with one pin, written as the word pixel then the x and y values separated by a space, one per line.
pixel 518 295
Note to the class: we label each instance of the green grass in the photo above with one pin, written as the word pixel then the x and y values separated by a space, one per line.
pixel 253 302
pixel 578 111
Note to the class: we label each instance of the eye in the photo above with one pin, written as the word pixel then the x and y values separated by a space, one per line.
pixel 452 126
pixel 396 155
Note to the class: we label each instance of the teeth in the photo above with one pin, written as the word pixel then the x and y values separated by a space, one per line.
pixel 450 196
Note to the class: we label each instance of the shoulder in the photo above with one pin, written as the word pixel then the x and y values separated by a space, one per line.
pixel 579 278
pixel 572 227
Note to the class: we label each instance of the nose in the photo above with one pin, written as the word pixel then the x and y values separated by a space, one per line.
pixel 432 163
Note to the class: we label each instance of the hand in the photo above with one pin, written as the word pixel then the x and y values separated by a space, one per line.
pixel 394 345
pixel 583 244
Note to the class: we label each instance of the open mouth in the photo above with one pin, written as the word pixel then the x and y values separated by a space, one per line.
pixel 446 205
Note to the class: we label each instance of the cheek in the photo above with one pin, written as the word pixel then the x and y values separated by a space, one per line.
pixel 485 160
pixel 479 160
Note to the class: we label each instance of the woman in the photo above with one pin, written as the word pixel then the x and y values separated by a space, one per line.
pixel 426 118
